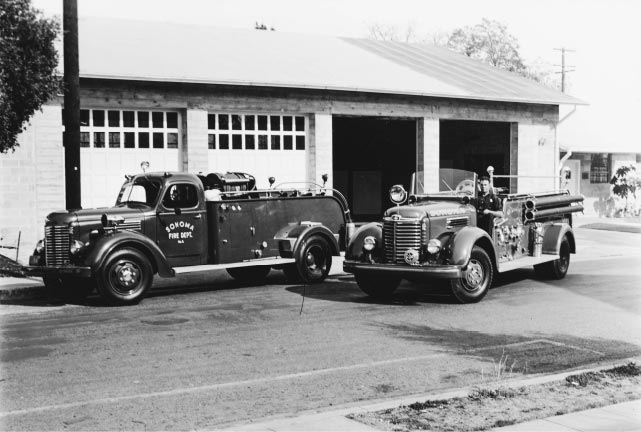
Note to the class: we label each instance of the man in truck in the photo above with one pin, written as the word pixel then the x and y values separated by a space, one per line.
pixel 488 206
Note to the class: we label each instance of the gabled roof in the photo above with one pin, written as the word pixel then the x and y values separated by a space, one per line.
pixel 170 52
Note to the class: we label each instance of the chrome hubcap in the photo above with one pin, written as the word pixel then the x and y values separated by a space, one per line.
pixel 127 274
pixel 474 274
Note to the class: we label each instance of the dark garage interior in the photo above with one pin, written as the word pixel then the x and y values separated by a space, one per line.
pixel 475 145
pixel 371 154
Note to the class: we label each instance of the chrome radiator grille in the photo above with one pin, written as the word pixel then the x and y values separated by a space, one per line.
pixel 57 241
pixel 399 236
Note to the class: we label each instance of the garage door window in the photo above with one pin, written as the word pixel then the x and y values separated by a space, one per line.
pixel 128 129
pixel 256 132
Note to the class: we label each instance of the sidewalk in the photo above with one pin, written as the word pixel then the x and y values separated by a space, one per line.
pixel 622 417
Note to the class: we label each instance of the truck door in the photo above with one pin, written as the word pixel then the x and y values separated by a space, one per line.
pixel 181 228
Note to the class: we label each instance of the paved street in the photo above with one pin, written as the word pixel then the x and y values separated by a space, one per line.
pixel 208 355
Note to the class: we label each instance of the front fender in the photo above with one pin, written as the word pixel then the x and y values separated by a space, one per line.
pixel 461 243
pixel 355 247
pixel 103 246
pixel 554 234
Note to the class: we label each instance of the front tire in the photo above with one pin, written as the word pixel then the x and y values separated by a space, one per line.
pixel 558 268
pixel 476 280
pixel 125 277
pixel 377 286
pixel 249 275
pixel 313 261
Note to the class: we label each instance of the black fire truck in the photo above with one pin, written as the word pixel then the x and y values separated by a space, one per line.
pixel 435 235
pixel 169 223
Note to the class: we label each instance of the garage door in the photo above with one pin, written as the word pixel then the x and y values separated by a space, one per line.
pixel 115 142
pixel 263 145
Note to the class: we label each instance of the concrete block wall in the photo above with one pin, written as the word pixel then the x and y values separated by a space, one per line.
pixel 194 129
pixel 32 181
pixel 319 151
pixel 537 158
pixel 428 156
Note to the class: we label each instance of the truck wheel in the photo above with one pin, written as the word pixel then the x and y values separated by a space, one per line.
pixel 476 280
pixel 377 286
pixel 313 261
pixel 125 277
pixel 558 268
pixel 254 275
pixel 69 288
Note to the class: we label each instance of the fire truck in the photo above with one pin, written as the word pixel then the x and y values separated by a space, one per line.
pixel 171 223
pixel 431 235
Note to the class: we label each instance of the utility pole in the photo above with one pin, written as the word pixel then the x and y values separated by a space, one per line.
pixel 563 67
pixel 71 113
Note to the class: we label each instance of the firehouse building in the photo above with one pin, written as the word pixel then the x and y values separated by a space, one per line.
pixel 198 99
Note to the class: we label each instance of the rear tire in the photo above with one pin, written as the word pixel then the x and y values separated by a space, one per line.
pixel 376 285
pixel 125 277
pixel 249 275
pixel 558 268
pixel 313 261
pixel 476 280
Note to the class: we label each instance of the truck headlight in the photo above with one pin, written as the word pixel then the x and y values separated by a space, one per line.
pixel 369 243
pixel 75 247
pixel 397 194
pixel 433 246
pixel 40 246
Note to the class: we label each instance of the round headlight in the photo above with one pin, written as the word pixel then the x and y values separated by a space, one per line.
pixel 433 246
pixel 369 243
pixel 40 247
pixel 75 247
pixel 397 194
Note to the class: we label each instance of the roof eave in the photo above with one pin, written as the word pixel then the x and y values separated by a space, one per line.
pixel 571 100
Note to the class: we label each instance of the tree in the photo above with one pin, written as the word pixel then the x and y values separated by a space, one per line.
pixel 625 183
pixel 488 41
pixel 28 61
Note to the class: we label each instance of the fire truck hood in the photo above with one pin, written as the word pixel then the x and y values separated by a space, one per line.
pixel 428 209
pixel 86 215
pixel 62 217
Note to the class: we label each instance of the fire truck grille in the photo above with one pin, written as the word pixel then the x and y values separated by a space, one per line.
pixel 57 245
pixel 399 236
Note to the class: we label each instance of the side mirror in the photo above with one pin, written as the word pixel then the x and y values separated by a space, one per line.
pixel 271 180
pixel 178 211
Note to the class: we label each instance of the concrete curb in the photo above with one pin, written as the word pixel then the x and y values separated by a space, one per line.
pixel 336 419
pixel 13 288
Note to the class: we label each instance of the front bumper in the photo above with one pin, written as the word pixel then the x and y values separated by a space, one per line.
pixel 431 271
pixel 43 271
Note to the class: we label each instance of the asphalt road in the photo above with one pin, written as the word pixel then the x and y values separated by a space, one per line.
pixel 212 353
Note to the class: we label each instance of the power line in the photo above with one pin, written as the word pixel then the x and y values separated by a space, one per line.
pixel 564 68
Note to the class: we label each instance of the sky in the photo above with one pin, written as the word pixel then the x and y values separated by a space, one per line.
pixel 604 35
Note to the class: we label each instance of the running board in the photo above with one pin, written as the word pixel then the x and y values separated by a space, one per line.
pixel 525 262
pixel 252 263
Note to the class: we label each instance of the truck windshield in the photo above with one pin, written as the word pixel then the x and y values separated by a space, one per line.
pixel 140 190
pixel 450 182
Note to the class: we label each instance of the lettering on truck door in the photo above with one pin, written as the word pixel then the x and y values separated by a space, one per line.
pixel 181 231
